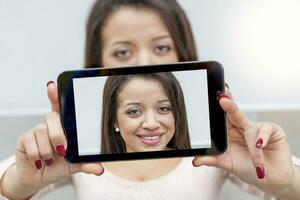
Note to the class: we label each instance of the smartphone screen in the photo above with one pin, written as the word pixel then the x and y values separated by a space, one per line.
pixel 143 105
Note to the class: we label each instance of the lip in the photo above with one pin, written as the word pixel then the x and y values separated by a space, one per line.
pixel 150 139
pixel 149 134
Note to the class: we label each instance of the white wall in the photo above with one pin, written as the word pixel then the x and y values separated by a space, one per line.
pixel 256 41
pixel 38 39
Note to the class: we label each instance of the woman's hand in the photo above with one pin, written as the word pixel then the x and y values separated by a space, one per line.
pixel 40 156
pixel 258 153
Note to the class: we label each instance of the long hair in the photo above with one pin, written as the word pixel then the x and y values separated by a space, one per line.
pixel 169 11
pixel 112 142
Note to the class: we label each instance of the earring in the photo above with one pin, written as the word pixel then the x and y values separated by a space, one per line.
pixel 117 129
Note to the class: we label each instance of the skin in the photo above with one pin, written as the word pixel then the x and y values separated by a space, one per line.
pixel 140 115
pixel 242 157
pixel 142 41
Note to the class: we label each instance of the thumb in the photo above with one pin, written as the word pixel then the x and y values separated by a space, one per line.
pixel 89 168
pixel 221 161
pixel 53 96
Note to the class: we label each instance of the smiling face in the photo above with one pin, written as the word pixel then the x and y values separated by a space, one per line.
pixel 146 122
pixel 136 37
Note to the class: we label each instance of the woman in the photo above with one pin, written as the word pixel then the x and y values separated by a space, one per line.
pixel 136 32
pixel 143 112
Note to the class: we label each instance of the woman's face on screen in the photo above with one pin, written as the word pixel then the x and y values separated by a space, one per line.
pixel 144 116
pixel 136 37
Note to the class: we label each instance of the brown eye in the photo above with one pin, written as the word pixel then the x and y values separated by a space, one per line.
pixel 164 109
pixel 122 54
pixel 134 112
pixel 162 49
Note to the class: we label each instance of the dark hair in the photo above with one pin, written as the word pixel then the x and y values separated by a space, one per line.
pixel 112 142
pixel 170 12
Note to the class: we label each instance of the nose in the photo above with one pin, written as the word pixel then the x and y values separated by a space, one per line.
pixel 145 58
pixel 150 122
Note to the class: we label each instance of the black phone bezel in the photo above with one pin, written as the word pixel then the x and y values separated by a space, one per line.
pixel 215 78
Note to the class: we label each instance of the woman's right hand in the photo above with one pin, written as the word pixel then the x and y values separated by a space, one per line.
pixel 40 152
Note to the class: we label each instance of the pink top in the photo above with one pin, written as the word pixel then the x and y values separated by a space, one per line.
pixel 184 182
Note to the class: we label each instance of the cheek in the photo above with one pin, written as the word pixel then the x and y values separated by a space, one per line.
pixel 110 61
pixel 170 58
pixel 104 56
pixel 107 60
pixel 128 126
pixel 174 56
pixel 169 122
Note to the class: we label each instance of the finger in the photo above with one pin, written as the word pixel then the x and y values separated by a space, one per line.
pixel 227 91
pixel 53 96
pixel 56 134
pixel 256 154
pixel 234 114
pixel 229 95
pixel 265 132
pixel 44 144
pixel 89 168
pixel 222 161
pixel 31 149
pixel 205 160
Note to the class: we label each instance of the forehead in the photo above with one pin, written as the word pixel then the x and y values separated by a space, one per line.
pixel 141 88
pixel 130 23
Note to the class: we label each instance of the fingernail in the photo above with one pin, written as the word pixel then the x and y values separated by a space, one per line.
pixel 49 82
pixel 60 149
pixel 259 143
pixel 226 85
pixel 49 162
pixel 222 95
pixel 38 164
pixel 100 173
pixel 260 172
pixel 194 163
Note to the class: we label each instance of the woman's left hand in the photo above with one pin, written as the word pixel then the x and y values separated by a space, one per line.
pixel 258 153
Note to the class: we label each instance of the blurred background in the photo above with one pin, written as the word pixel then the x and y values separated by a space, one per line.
pixel 257 42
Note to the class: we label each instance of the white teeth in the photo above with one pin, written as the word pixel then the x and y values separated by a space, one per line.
pixel 151 137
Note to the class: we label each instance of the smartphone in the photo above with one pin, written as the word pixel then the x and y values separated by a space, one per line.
pixel 143 112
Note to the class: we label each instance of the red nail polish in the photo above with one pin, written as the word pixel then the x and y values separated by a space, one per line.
pixel 49 162
pixel 49 82
pixel 259 143
pixel 226 85
pixel 38 164
pixel 260 172
pixel 60 149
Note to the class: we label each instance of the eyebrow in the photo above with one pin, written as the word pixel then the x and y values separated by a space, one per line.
pixel 161 37
pixel 162 101
pixel 126 42
pixel 137 103
pixel 132 103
